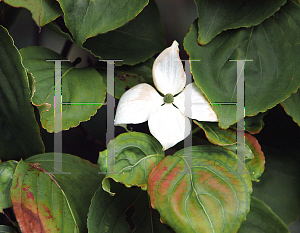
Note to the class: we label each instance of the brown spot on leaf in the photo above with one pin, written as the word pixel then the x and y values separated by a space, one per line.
pixel 29 222
pixel 48 212
pixel 17 181
pixel 30 195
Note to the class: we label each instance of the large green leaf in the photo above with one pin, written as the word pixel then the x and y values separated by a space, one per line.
pixel 7 170
pixel 127 77
pixel 207 196
pixel 270 78
pixel 131 157
pixel 216 16
pixel 43 11
pixel 59 203
pixel 261 219
pixel 134 42
pixel 279 184
pixel 19 137
pixel 254 157
pixel 82 86
pixel 291 106
pixel 87 18
pixel 107 213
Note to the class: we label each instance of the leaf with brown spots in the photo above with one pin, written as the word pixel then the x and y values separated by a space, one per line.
pixel 45 202
pixel 206 196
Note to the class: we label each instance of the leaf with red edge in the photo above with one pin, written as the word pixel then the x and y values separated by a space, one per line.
pixel 44 202
pixel 207 196
pixel 254 157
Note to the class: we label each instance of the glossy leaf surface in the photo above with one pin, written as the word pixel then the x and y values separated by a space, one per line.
pixel 291 106
pixel 87 18
pixel 134 42
pixel 111 214
pixel 129 159
pixel 206 195
pixel 261 219
pixel 20 136
pixel 274 61
pixel 216 16
pixel 84 87
pixel 43 11
pixel 7 170
pixel 254 157
pixel 58 203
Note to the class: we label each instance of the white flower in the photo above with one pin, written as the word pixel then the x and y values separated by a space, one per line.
pixel 167 123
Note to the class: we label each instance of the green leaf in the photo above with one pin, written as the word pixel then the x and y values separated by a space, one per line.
pixel 134 42
pixel 279 184
pixel 254 157
pixel 253 124
pixel 20 137
pixel 7 170
pixel 291 106
pixel 87 18
pixel 207 196
pixel 127 77
pixel 54 27
pixel 135 155
pixel 216 16
pixel 52 203
pixel 274 61
pixel 107 213
pixel 43 11
pixel 261 219
pixel 83 86
pixel 6 229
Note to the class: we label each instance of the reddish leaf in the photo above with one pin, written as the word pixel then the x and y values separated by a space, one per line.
pixel 207 196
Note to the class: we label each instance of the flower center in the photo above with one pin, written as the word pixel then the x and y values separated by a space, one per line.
pixel 168 98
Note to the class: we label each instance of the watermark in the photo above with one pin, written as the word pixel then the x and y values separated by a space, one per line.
pixel 110 103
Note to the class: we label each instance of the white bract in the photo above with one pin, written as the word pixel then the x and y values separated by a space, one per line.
pixel 167 116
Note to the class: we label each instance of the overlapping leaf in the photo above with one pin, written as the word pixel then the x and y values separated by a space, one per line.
pixel 206 195
pixel 43 11
pixel 58 203
pixel 134 42
pixel 253 124
pixel 83 87
pixel 129 159
pixel 20 135
pixel 7 170
pixel 279 184
pixel 108 214
pixel 129 76
pixel 270 78
pixel 291 106
pixel 87 18
pixel 216 16
pixel 254 157
pixel 262 219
